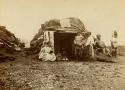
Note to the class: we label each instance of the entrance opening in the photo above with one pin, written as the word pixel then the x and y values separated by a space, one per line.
pixel 63 43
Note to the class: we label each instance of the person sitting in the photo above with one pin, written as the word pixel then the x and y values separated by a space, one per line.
pixel 64 55
pixel 44 51
pixel 99 44
pixel 50 56
pixel 58 55
pixel 101 47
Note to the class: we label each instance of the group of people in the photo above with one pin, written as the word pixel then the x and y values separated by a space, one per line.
pixel 83 40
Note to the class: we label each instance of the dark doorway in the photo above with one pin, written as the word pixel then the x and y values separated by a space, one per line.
pixel 63 42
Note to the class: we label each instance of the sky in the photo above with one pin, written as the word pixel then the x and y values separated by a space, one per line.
pixel 24 17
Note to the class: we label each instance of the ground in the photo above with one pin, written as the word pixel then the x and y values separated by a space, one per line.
pixel 26 73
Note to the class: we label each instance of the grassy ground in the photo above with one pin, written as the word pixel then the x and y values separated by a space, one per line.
pixel 26 73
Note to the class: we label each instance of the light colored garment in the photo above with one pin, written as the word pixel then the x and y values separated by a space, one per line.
pixel 50 57
pixel 114 45
pixel 114 42
pixel 90 43
pixel 44 52
pixel 90 40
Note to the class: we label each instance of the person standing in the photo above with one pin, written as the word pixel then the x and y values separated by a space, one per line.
pixel 114 44
pixel 90 43
pixel 78 44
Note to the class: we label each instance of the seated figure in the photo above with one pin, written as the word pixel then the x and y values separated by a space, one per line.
pixel 46 53
pixel 100 45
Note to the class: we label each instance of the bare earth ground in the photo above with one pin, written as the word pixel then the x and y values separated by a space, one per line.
pixel 26 73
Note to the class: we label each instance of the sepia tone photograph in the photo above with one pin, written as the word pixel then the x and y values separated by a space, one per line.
pixel 62 45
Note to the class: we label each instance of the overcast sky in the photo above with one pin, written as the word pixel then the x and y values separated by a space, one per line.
pixel 23 17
